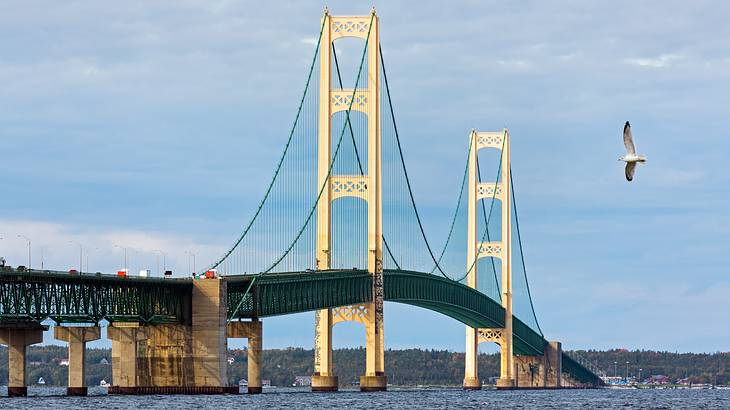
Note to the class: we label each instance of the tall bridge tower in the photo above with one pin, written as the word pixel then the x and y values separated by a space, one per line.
pixel 502 249
pixel 368 188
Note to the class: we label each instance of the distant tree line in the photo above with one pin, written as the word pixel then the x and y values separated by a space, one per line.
pixel 404 367
pixel 697 367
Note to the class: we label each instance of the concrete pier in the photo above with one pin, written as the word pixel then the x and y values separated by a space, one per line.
pixel 17 339
pixel 77 338
pixel 127 363
pixel 540 372
pixel 253 332
pixel 170 356
pixel 373 383
pixel 210 344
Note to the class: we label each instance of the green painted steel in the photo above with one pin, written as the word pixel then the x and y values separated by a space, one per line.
pixel 442 295
pixel 33 296
pixel 283 293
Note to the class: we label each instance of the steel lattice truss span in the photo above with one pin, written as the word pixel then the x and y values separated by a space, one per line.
pixel 33 296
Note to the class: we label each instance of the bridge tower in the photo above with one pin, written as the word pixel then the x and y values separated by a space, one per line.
pixel 367 187
pixel 502 249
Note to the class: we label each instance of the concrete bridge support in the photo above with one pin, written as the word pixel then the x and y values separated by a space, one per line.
pixel 187 358
pixel 253 332
pixel 170 356
pixel 77 338
pixel 210 344
pixel 540 372
pixel 17 340
pixel 128 367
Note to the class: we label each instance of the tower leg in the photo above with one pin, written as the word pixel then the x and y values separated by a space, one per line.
pixel 323 380
pixel 505 381
pixel 374 378
pixel 471 372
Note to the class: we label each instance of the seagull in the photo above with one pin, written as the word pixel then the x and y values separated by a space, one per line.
pixel 630 158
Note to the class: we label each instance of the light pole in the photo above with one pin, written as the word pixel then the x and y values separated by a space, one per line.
pixel 43 248
pixel 193 255
pixel 627 370
pixel 164 260
pixel 136 258
pixel 615 369
pixel 27 239
pixel 640 369
pixel 81 255
pixel 124 248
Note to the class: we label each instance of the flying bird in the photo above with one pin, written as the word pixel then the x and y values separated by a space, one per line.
pixel 630 158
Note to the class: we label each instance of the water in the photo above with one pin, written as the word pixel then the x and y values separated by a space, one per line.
pixel 53 398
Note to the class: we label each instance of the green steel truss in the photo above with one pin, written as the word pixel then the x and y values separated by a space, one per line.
pixel 285 293
pixel 33 296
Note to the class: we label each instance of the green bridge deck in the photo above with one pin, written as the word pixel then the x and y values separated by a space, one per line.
pixel 34 296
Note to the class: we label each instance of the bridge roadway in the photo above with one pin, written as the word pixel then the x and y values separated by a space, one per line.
pixel 33 296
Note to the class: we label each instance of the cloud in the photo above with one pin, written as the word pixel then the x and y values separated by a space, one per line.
pixel 661 61
pixel 56 246
pixel 310 41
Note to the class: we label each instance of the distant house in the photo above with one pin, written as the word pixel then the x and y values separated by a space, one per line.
pixel 658 379
pixel 302 381
pixel 231 359
pixel 103 361
pixel 63 362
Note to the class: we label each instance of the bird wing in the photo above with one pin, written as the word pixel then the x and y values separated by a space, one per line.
pixel 629 139
pixel 630 167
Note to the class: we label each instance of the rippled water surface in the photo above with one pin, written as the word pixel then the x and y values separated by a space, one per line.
pixel 52 398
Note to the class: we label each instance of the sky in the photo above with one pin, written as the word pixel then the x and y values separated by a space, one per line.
pixel 156 126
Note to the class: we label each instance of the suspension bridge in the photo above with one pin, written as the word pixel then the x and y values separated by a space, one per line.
pixel 337 232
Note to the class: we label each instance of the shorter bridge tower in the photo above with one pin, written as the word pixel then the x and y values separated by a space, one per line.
pixel 502 249
pixel 366 187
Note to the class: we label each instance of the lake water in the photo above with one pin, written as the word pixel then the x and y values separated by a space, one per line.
pixel 52 398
